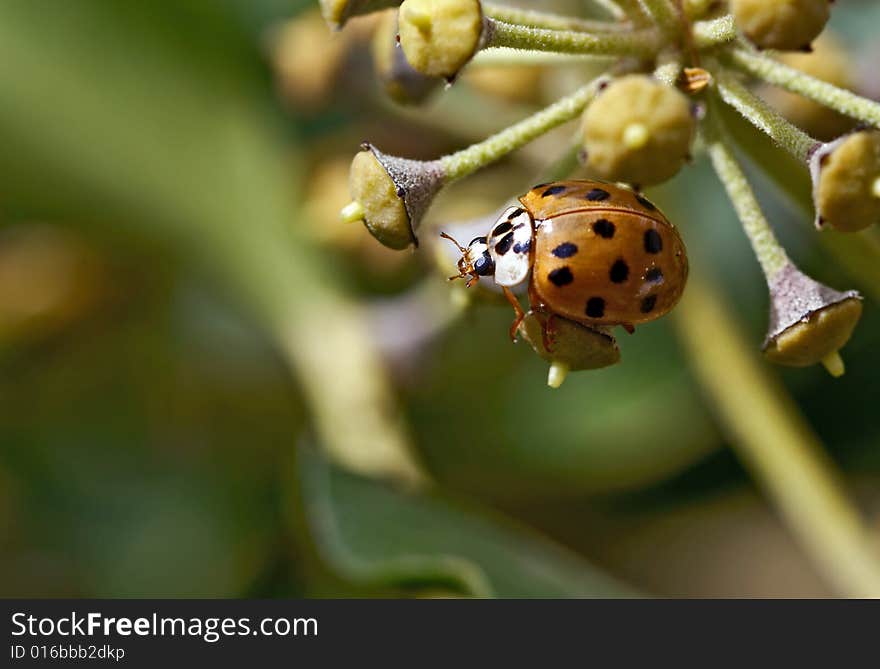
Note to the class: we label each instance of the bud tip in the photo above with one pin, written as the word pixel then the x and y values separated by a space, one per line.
pixel 556 375
pixel 833 363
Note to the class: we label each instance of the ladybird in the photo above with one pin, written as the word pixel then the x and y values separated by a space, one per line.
pixel 593 252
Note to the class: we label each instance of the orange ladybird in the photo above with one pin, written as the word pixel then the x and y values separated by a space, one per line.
pixel 594 252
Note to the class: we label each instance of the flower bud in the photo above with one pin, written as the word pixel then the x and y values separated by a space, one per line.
pixel 809 322
pixel 846 181
pixel 638 131
pixel 440 36
pixel 391 194
pixel 337 12
pixel 399 79
pixel 781 24
pixel 574 346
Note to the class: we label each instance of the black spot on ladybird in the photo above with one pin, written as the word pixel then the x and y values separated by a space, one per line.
pixel 522 247
pixel 553 190
pixel 604 228
pixel 595 307
pixel 504 245
pixel 565 250
pixel 653 241
pixel 501 228
pixel 543 185
pixel 516 212
pixel 561 276
pixel 597 195
pixel 654 275
pixel 646 203
pixel 619 271
pixel 648 304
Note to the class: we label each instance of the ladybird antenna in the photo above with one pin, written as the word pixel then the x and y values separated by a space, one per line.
pixel 452 239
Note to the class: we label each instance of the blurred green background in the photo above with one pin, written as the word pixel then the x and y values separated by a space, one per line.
pixel 189 341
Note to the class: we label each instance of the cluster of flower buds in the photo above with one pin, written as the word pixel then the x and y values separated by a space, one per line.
pixel 670 68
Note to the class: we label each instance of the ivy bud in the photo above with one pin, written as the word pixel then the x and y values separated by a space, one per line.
pixel 574 347
pixel 809 322
pixel 391 194
pixel 337 12
pixel 638 131
pixel 440 36
pixel 781 24
pixel 846 181
pixel 402 83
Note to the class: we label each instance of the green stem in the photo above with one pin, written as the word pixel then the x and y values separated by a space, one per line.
pixel 774 72
pixel 643 42
pixel 469 160
pixel 714 32
pixel 777 445
pixel 791 138
pixel 769 252
pixel 536 19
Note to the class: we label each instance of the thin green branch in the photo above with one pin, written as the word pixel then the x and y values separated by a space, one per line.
pixel 537 19
pixel 469 160
pixel 788 136
pixel 643 42
pixel 769 252
pixel 777 445
pixel 714 32
pixel 774 72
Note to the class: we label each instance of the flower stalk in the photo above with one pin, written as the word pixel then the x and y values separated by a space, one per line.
pixel 467 161
pixel 788 136
pixel 778 74
pixel 549 21
pixel 641 42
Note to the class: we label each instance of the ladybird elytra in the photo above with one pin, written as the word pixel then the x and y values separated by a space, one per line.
pixel 593 252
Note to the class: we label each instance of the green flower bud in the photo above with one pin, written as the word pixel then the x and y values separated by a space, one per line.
pixel 574 347
pixel 846 181
pixel 781 24
pixel 391 194
pixel 440 36
pixel 337 12
pixel 399 79
pixel 638 131
pixel 809 322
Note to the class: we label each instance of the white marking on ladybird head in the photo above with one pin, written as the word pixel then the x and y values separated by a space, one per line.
pixel 510 242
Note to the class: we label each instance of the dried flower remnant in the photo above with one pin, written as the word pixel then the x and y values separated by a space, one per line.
pixel 668 66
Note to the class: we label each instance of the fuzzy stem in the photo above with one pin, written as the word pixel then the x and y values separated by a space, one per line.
pixel 714 32
pixel 769 252
pixel 633 10
pixel 766 119
pixel 777 445
pixel 776 73
pixel 536 19
pixel 469 160
pixel 661 12
pixel 644 42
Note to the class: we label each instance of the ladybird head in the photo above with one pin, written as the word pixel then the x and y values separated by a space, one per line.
pixel 475 260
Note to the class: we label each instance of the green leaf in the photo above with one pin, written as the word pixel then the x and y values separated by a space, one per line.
pixel 376 536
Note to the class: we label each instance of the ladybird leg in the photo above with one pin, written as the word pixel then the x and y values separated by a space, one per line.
pixel 628 327
pixel 548 332
pixel 517 308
